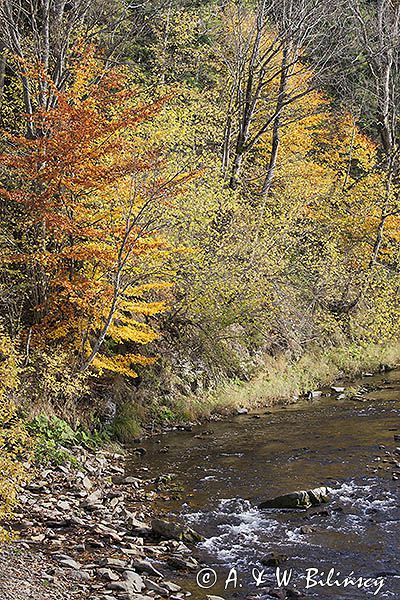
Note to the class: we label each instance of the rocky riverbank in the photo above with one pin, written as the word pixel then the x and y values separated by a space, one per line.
pixel 89 531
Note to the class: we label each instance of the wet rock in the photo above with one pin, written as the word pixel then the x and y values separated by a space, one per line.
pixel 306 529
pixel 170 530
pixel 135 481
pixel 214 598
pixel 337 389
pixel 319 495
pixel 242 411
pixel 302 499
pixel 312 394
pixel 321 512
pixel 274 559
pixel 173 588
pixel 279 594
pixel 178 562
pixel 292 594
pixel 140 451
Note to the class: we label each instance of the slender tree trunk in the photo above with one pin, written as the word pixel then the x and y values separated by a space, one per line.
pixel 276 127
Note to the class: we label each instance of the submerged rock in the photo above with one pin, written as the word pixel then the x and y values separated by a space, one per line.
pixel 302 499
pixel 274 559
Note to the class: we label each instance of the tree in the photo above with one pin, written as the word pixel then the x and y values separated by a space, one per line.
pixel 86 203
pixel 378 31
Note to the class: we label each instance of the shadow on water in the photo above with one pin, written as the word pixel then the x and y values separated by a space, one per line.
pixel 226 468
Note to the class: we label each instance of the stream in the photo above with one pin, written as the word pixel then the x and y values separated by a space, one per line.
pixel 224 469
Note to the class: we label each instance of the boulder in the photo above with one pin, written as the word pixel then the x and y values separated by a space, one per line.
pixel 302 499
pixel 319 495
pixel 294 500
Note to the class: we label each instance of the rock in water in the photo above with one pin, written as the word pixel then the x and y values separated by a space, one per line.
pixel 294 500
pixel 302 499
pixel 319 495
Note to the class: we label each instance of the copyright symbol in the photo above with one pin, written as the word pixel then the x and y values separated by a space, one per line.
pixel 206 578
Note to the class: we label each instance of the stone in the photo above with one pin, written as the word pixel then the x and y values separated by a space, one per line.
pixel 107 574
pixel 134 580
pixel 136 525
pixel 274 559
pixel 306 529
pixel 156 587
pixel 293 500
pixel 87 484
pixel 170 530
pixel 134 481
pixel 144 566
pixel 302 499
pixel 173 588
pixel 337 389
pixel 314 394
pixel 242 411
pixel 114 563
pixel 59 523
pixel 70 563
pixel 107 532
pixel 181 563
pixel 319 495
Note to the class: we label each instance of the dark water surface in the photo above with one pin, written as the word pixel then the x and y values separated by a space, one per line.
pixel 225 472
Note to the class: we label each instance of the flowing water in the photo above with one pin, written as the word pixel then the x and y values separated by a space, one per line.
pixel 225 469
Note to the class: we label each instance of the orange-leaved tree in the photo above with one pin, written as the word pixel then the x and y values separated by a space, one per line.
pixel 89 201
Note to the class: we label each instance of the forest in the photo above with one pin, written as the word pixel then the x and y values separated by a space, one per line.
pixel 194 194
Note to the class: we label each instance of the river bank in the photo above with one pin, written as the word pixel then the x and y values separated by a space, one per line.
pixel 88 530
pixel 93 528
pixel 278 380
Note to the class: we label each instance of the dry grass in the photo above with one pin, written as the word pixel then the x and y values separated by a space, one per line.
pixel 281 379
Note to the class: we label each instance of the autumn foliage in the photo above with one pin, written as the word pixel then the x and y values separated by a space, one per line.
pixel 88 198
